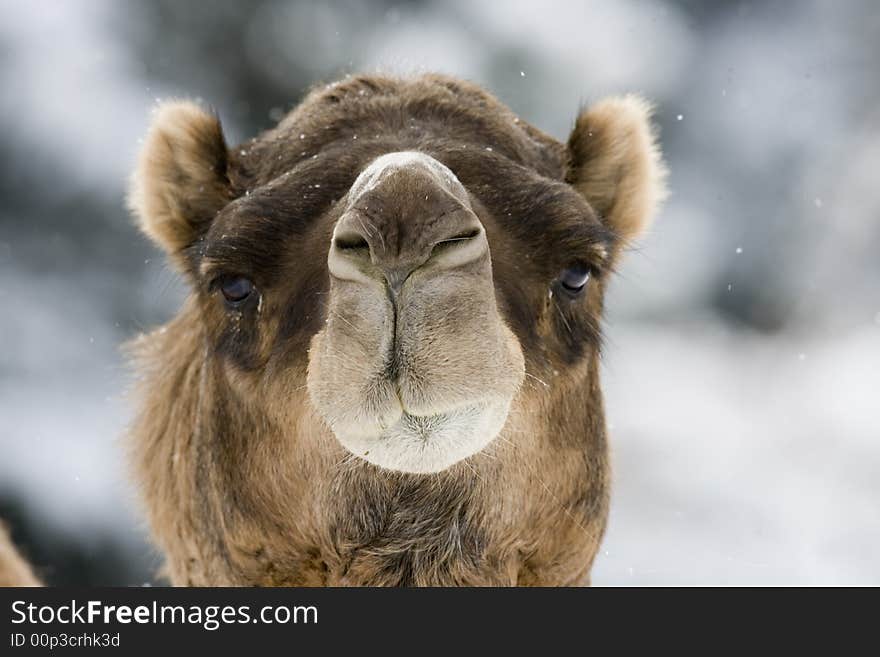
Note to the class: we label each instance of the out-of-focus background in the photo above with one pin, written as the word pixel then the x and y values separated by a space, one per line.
pixel 743 363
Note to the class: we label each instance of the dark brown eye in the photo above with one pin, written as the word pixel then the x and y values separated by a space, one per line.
pixel 574 279
pixel 236 289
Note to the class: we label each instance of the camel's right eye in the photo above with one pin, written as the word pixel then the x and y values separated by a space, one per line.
pixel 236 289
pixel 574 279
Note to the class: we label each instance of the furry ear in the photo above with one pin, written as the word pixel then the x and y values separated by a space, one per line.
pixel 615 162
pixel 180 181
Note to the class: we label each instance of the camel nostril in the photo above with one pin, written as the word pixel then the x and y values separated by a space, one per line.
pixel 350 255
pixel 464 236
pixel 351 242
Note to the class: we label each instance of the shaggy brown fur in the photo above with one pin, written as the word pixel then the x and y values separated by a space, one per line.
pixel 244 481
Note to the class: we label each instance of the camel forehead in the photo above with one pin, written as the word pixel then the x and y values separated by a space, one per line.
pixel 411 164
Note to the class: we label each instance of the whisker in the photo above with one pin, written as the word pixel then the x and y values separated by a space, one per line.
pixel 562 316
pixel 338 315
pixel 541 381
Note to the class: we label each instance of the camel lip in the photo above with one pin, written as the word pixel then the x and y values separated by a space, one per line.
pixel 427 428
pixel 455 411
pixel 427 443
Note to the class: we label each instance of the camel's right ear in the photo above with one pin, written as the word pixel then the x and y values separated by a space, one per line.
pixel 181 179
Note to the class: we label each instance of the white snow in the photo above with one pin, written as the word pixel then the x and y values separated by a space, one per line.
pixel 736 464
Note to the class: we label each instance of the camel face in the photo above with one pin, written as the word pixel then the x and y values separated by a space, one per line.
pixel 415 369
pixel 387 370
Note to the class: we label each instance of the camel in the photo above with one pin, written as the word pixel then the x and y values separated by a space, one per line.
pixel 387 370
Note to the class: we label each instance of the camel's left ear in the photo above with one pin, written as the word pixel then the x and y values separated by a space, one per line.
pixel 615 162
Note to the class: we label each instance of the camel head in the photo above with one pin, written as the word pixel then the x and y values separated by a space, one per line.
pixel 401 283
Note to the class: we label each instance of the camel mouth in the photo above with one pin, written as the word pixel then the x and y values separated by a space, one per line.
pixel 423 444
pixel 427 425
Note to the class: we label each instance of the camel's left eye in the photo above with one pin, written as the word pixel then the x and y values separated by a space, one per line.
pixel 574 279
pixel 236 289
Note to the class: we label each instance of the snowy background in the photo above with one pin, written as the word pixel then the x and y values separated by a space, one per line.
pixel 743 364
